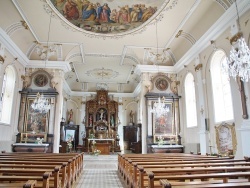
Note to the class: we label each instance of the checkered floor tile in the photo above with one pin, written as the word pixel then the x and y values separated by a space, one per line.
pixel 99 171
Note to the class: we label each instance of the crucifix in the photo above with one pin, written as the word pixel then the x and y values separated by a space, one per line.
pixel 243 98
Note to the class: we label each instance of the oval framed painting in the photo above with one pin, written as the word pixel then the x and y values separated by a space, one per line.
pixel 161 83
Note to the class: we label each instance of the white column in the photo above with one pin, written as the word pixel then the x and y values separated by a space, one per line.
pixel 143 114
pixel 59 76
pixel 82 119
pixel 244 130
pixel 120 127
pixel 204 141
pixel 244 139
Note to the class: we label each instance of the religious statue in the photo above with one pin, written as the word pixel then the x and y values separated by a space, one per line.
pixel 112 120
pixel 70 116
pixel 131 116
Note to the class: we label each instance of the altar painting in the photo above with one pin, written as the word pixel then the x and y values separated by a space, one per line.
pixel 101 16
pixel 35 122
pixel 163 125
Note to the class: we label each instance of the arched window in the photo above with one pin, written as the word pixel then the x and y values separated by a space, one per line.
pixel 222 98
pixel 190 99
pixel 7 93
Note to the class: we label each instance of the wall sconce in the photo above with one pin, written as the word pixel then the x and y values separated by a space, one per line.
pixel 2 59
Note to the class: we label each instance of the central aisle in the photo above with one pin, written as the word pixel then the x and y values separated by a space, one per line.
pixel 99 171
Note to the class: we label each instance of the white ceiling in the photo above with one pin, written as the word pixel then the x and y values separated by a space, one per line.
pixel 112 60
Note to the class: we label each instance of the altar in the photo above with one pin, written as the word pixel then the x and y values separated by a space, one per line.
pixel 30 147
pixel 167 148
pixel 102 144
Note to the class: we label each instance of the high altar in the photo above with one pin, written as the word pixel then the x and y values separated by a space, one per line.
pixel 102 124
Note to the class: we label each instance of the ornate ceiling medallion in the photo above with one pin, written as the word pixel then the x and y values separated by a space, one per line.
pixel 113 19
pixel 102 73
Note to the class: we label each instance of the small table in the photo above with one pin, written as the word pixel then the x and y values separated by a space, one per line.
pixel 101 139
pixel 30 147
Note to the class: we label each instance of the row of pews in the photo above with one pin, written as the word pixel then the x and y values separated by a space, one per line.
pixel 44 170
pixel 179 170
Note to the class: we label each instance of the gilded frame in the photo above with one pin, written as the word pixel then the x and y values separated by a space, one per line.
pixel 226 139
pixel 164 126
pixel 35 122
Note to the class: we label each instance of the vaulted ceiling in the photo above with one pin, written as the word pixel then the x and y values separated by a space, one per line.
pixel 112 53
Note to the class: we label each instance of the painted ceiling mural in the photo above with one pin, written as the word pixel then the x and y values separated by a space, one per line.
pixel 108 16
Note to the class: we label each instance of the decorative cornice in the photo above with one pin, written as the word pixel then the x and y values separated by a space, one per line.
pixel 198 67
pixel 214 31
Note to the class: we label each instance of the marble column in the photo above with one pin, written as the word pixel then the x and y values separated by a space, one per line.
pixel 120 124
pixel 82 119
pixel 58 79
pixel 204 137
pixel 143 112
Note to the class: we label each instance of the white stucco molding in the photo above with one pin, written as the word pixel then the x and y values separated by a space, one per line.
pixel 13 48
pixel 221 25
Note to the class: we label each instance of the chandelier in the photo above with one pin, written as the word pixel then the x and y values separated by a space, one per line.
pixel 238 63
pixel 45 52
pixel 40 104
pixel 160 108
pixel 159 55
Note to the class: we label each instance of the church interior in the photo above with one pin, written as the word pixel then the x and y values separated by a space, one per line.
pixel 128 77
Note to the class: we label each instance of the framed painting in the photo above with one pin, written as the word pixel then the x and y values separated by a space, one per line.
pixel 35 122
pixel 163 126
pixel 161 83
pixel 226 139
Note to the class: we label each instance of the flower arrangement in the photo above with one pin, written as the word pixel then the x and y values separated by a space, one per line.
pixel 69 143
pixel 39 140
pixel 160 140
pixel 96 152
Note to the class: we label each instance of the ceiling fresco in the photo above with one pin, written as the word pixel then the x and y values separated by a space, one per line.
pixel 108 16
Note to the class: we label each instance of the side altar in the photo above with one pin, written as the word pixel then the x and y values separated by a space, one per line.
pixel 101 124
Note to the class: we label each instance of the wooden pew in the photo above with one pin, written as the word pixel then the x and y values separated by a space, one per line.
pixel 166 184
pixel 28 184
pixel 74 166
pixel 71 166
pixel 139 171
pixel 153 181
pixel 19 178
pixel 33 172
pixel 133 169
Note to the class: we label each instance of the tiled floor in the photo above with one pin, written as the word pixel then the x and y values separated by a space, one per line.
pixel 99 172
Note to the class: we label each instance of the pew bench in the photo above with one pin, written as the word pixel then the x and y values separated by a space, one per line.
pixel 137 169
pixel 153 181
pixel 238 184
pixel 28 184
pixel 44 179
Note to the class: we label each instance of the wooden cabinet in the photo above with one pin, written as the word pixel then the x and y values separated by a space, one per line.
pixel 132 134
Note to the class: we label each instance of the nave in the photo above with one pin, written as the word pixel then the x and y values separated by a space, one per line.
pixel 99 171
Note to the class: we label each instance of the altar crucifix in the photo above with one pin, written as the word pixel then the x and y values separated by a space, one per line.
pixel 243 98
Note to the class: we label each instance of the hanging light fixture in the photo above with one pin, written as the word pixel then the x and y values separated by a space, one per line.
pixel 42 104
pixel 238 62
pixel 156 57
pixel 160 108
